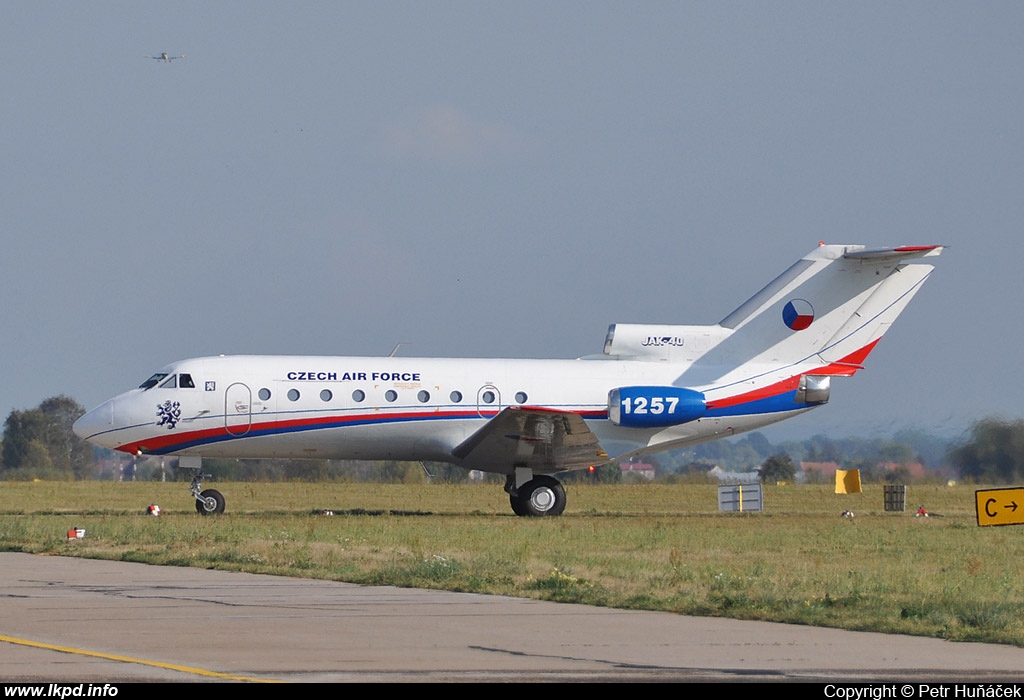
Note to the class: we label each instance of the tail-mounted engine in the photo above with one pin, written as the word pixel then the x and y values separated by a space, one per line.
pixel 654 406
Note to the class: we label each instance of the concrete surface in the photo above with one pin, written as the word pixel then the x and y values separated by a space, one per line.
pixel 79 620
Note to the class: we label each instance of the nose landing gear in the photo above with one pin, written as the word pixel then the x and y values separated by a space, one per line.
pixel 208 501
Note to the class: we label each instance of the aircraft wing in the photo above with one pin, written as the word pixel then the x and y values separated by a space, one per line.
pixel 544 440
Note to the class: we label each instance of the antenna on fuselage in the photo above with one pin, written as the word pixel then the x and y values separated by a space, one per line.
pixel 399 344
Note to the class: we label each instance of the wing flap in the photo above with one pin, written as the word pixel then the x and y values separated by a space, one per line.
pixel 543 440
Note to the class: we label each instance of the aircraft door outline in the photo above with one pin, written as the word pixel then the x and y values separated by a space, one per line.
pixel 484 408
pixel 238 409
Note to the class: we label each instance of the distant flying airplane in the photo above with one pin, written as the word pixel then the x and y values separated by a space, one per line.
pixel 165 58
pixel 654 388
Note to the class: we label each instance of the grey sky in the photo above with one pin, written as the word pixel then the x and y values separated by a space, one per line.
pixel 501 179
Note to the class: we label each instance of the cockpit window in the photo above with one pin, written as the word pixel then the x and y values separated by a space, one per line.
pixel 185 381
pixel 153 381
pixel 170 383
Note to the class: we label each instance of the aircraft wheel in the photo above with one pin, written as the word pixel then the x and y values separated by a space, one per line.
pixel 540 497
pixel 210 502
pixel 517 505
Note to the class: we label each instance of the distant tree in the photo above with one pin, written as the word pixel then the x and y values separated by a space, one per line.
pixel 442 472
pixel 305 470
pixel 816 476
pixel 21 429
pixel 759 443
pixel 777 468
pixel 697 468
pixel 715 451
pixel 41 439
pixel 608 474
pixel 394 472
pixel 892 451
pixel 822 449
pixel 67 450
pixel 36 460
pixel 899 475
pixel 869 469
pixel 992 453
pixel 930 450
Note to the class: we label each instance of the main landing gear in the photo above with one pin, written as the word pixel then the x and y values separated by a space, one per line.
pixel 208 501
pixel 534 496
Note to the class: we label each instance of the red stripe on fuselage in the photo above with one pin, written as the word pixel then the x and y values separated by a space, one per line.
pixel 211 434
pixel 172 439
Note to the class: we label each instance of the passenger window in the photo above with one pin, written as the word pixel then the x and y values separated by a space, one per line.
pixel 521 397
pixel 326 395
pixel 391 395
pixel 358 395
pixel 456 396
pixel 293 394
pixel 185 381
pixel 264 394
pixel 423 396
pixel 170 383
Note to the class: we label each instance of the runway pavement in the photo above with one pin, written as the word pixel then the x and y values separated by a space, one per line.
pixel 79 620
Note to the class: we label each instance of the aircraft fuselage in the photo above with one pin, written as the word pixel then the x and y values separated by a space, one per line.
pixel 392 408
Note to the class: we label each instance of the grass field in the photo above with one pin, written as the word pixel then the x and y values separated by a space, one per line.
pixel 651 547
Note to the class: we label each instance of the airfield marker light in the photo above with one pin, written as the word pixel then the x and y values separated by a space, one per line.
pixel 153 510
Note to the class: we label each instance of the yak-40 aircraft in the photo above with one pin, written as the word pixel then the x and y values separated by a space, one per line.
pixel 654 388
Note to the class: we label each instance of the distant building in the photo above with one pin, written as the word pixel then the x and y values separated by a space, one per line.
pixel 825 471
pixel 638 470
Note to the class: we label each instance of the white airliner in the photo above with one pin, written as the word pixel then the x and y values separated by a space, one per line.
pixel 654 388
pixel 165 58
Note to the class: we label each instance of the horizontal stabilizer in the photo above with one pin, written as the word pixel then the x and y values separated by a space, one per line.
pixel 901 253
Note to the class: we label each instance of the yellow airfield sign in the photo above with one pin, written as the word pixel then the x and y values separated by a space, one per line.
pixel 1000 506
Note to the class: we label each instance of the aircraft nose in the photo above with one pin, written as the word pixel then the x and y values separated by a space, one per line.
pixel 95 422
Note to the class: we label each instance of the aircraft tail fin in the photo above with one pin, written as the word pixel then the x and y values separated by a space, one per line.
pixel 823 315
pixel 828 310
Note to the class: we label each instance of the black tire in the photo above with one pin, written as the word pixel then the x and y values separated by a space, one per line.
pixel 541 497
pixel 210 502
pixel 517 505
